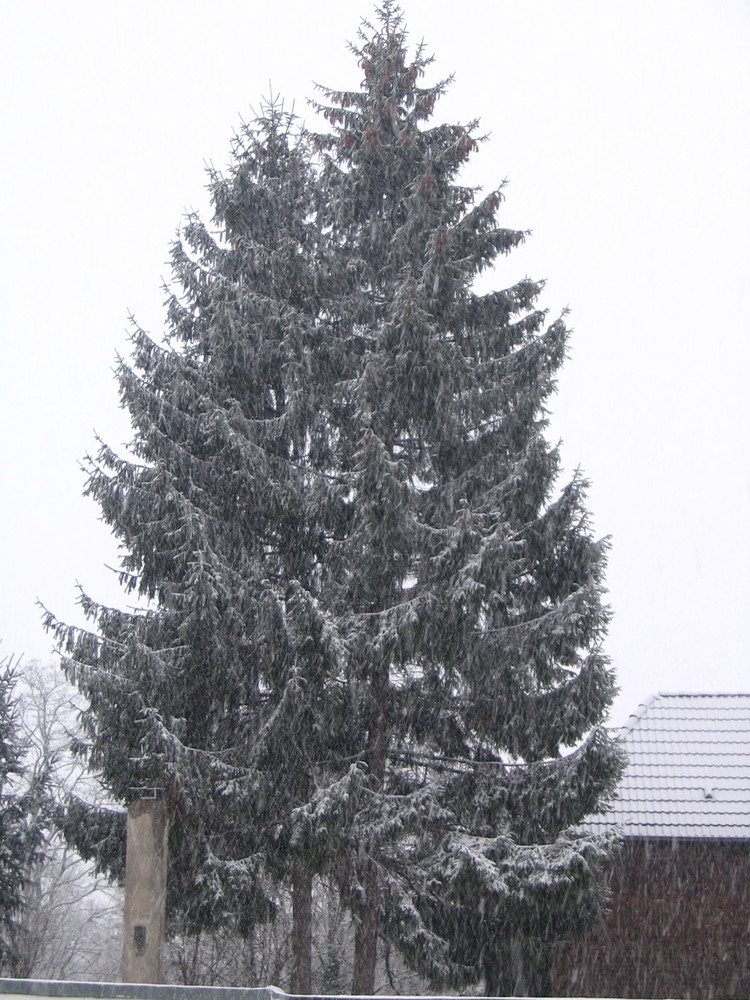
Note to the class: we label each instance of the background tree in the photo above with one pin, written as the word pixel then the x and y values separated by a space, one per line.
pixel 374 619
pixel 70 914
pixel 20 826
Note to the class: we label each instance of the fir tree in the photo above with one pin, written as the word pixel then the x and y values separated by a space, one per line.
pixel 217 690
pixel 375 619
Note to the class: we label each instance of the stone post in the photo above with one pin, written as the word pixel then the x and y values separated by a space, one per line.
pixel 145 888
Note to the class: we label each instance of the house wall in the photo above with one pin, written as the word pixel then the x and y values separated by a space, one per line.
pixel 679 925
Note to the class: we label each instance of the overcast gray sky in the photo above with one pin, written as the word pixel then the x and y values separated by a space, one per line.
pixel 623 129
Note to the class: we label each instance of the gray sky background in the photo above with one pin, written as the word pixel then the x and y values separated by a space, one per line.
pixel 623 129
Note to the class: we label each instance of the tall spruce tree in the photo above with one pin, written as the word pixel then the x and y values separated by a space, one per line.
pixel 375 621
pixel 468 595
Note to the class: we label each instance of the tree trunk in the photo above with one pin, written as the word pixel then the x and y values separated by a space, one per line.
pixel 366 939
pixel 301 930
pixel 366 928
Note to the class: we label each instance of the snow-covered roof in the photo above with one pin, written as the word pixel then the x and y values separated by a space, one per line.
pixel 689 769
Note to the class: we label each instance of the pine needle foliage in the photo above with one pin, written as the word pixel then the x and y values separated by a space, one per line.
pixel 375 617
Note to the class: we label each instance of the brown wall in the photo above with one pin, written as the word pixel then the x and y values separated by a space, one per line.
pixel 679 925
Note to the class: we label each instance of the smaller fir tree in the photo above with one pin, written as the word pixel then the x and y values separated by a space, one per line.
pixel 220 692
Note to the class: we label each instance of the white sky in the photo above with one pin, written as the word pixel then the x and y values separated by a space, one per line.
pixel 624 131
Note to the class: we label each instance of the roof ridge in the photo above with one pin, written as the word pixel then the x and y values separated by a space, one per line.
pixel 700 694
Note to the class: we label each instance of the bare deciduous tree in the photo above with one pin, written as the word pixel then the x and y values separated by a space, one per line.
pixel 71 922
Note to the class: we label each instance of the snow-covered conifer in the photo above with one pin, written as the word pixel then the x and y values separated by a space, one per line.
pixel 468 586
pixel 217 690
pixel 376 617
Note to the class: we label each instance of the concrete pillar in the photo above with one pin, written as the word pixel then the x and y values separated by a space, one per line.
pixel 145 890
